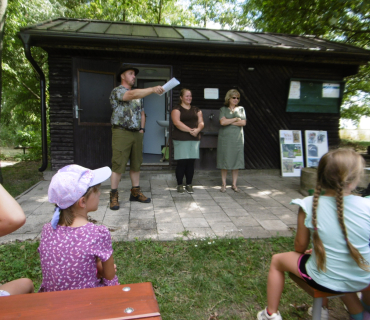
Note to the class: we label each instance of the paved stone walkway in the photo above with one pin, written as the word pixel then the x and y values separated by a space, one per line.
pixel 260 210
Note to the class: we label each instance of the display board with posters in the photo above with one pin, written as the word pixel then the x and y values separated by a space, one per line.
pixel 316 146
pixel 291 153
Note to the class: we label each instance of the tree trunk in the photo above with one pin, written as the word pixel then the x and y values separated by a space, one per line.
pixel 3 5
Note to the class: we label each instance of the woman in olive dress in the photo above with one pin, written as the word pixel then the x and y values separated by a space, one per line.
pixel 230 147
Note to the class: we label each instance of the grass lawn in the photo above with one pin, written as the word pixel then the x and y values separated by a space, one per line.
pixel 210 279
pixel 193 280
pixel 21 176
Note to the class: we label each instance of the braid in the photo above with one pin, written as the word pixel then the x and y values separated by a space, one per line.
pixel 355 254
pixel 317 243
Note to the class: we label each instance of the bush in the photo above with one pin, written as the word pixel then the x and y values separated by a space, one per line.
pixel 358 146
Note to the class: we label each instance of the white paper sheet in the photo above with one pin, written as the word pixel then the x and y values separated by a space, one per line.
pixel 170 85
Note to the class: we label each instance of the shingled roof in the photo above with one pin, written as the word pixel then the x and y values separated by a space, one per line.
pixel 63 30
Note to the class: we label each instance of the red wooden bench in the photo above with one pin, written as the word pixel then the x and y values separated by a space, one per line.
pixel 316 295
pixel 126 302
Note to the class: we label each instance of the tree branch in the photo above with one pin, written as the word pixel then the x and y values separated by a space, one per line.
pixel 28 88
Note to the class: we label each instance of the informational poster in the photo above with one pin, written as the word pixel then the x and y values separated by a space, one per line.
pixel 295 90
pixel 330 90
pixel 291 153
pixel 210 93
pixel 316 146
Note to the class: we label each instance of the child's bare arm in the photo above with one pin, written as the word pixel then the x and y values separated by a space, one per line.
pixel 302 238
pixel 11 214
pixel 99 268
pixel 108 269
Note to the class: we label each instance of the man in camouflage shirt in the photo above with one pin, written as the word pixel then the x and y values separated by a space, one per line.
pixel 128 127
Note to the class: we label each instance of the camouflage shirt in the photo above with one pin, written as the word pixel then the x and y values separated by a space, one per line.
pixel 125 113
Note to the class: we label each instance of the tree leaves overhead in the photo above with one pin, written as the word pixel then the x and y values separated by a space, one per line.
pixel 337 20
pixel 21 101
pixel 149 11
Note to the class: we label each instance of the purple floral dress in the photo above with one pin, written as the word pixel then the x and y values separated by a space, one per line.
pixel 68 257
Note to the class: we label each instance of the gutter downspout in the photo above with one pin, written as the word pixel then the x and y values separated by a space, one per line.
pixel 27 49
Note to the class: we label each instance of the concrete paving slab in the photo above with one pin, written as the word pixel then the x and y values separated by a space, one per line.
pixel 260 210
pixel 166 218
pixel 195 222
pixel 273 224
pixel 173 228
pixel 200 233
pixel 211 209
pixel 217 217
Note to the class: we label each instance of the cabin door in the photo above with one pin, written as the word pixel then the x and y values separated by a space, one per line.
pixel 155 109
pixel 93 82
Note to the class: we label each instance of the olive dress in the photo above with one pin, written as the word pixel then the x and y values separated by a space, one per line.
pixel 230 146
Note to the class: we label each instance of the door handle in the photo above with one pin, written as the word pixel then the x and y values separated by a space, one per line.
pixel 76 111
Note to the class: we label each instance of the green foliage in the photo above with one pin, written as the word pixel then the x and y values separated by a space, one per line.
pixel 148 11
pixel 20 105
pixel 210 10
pixel 358 146
pixel 21 176
pixel 337 20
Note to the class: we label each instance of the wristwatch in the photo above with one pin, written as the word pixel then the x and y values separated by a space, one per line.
pixel 142 129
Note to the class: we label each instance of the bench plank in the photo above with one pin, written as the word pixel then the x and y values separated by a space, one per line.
pixel 95 303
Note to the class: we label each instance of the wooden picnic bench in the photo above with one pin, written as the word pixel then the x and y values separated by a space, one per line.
pixel 317 295
pixel 126 302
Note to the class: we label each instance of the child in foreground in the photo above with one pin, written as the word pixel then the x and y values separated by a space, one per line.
pixel 75 253
pixel 339 225
pixel 12 218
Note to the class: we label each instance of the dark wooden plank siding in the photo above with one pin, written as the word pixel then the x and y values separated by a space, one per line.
pixel 263 94
pixel 60 111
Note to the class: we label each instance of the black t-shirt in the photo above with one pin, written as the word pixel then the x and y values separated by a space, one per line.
pixel 190 119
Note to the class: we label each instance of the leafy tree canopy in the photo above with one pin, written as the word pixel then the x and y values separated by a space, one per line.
pixel 338 20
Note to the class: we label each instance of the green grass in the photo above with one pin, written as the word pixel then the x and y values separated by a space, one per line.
pixel 191 279
pixel 21 176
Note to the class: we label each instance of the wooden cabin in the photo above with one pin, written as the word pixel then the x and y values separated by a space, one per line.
pixel 84 56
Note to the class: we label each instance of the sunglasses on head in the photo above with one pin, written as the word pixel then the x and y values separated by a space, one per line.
pixel 236 98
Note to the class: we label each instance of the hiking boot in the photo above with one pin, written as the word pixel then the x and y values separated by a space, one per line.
pixel 263 315
pixel 113 203
pixel 137 195
pixel 180 188
pixel 189 188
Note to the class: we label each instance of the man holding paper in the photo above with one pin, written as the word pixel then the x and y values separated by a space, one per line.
pixel 128 127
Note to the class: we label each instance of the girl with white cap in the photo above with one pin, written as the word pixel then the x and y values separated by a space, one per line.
pixel 75 253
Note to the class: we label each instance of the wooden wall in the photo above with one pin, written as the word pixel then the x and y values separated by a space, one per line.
pixel 60 111
pixel 263 94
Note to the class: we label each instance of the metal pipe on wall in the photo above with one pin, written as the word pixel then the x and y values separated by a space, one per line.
pixel 27 49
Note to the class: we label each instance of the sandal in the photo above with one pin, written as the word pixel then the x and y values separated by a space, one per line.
pixel 235 188
pixel 223 188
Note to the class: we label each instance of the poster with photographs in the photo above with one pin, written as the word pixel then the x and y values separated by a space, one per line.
pixel 291 153
pixel 316 146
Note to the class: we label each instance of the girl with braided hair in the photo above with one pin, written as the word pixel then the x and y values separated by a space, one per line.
pixel 339 225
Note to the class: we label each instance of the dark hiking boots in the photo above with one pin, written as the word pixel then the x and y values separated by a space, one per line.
pixel 137 195
pixel 113 203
